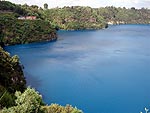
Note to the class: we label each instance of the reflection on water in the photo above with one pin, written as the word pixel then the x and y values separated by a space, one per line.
pixel 99 71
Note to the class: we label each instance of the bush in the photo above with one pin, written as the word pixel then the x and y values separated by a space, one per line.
pixel 6 99
pixel 31 102
pixel 28 102
pixel 55 108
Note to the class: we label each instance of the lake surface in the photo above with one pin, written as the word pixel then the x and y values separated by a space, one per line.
pixel 99 71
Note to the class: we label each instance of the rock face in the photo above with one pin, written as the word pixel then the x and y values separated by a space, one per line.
pixel 11 74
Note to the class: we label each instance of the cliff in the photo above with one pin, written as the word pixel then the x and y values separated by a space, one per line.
pixel 11 73
pixel 11 78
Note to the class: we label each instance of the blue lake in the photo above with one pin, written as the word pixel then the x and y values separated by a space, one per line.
pixel 98 71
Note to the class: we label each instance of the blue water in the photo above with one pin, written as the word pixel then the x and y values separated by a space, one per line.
pixel 99 71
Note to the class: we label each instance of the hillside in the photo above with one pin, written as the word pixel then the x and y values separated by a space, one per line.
pixel 14 31
pixel 124 15
pixel 75 18
pixel 78 17
pixel 6 6
pixel 11 78
pixel 21 31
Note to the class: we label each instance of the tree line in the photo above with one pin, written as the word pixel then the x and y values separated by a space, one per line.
pixel 79 17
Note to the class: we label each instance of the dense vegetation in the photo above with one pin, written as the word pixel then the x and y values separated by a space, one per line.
pixel 11 78
pixel 74 18
pixel 18 31
pixel 6 6
pixel 78 17
pixel 125 16
pixel 30 101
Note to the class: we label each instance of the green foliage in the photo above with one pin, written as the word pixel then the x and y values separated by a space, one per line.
pixel 31 102
pixel 15 60
pixel 16 31
pixel 31 10
pixel 11 74
pixel 8 6
pixel 125 16
pixel 77 17
pixel 6 98
pixel 11 78
pixel 45 6
pixel 55 108
pixel 28 102
pixel 74 18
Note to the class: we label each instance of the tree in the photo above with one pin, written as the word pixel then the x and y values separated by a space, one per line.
pixel 31 102
pixel 132 8
pixel 28 102
pixel 45 6
pixel 34 6
pixel 55 108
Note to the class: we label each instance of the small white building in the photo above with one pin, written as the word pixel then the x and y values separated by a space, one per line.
pixel 21 18
pixel 27 18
